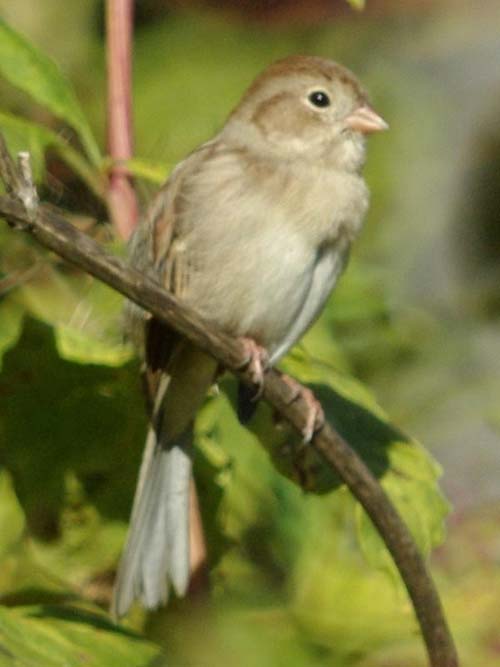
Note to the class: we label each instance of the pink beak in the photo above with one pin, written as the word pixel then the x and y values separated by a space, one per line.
pixel 365 120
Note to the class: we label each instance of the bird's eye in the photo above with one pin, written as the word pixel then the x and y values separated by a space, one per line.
pixel 319 98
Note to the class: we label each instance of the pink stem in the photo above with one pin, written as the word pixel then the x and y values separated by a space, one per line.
pixel 198 547
pixel 122 201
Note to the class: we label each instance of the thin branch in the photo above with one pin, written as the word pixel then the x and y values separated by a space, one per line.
pixel 122 200
pixel 55 233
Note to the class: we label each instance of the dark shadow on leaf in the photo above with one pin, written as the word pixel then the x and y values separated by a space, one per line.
pixel 57 416
pixel 370 436
pixel 82 617
pixel 36 596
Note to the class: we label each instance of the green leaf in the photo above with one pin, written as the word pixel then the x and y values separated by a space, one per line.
pixel 155 172
pixel 77 345
pixel 87 545
pixel 51 636
pixel 62 417
pixel 411 483
pixel 310 539
pixel 357 4
pixel 94 332
pixel 36 74
pixel 11 515
pixel 405 469
pixel 52 297
pixel 85 313
pixel 22 135
pixel 11 319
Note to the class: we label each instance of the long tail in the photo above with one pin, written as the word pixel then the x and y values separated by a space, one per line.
pixel 157 549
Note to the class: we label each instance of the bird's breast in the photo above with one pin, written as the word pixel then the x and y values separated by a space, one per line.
pixel 255 242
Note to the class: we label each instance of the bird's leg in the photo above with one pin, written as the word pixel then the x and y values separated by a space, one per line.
pixel 315 418
pixel 256 365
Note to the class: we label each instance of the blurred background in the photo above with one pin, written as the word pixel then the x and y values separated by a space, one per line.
pixel 416 319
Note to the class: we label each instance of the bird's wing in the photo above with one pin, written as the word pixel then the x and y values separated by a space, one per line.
pixel 157 248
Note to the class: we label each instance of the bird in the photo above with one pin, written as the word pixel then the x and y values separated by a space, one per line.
pixel 252 230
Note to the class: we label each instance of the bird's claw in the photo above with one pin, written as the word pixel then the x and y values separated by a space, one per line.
pixel 315 418
pixel 256 364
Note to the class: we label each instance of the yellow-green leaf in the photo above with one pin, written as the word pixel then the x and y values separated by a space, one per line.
pixel 50 636
pixel 357 4
pixel 32 71
pixel 156 172
pixel 11 515
pixel 81 347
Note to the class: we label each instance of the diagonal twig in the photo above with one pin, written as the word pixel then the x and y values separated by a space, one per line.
pixel 54 232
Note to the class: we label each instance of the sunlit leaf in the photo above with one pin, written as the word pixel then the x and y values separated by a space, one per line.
pixel 85 313
pixel 32 71
pixel 411 483
pixel 52 636
pixel 77 345
pixel 154 172
pixel 11 515
pixel 357 4
pixel 94 332
pixel 50 296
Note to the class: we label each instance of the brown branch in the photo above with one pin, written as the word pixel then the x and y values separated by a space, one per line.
pixel 122 200
pixel 55 233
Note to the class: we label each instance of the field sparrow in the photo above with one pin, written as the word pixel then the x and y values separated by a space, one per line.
pixel 252 230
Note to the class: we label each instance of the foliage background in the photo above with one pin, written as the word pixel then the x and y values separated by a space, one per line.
pixel 296 579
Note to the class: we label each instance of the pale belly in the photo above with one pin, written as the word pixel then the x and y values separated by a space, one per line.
pixel 329 264
pixel 263 266
pixel 274 293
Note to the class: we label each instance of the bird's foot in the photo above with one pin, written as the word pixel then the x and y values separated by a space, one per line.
pixel 315 418
pixel 256 364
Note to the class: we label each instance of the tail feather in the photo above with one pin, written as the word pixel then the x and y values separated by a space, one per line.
pixel 157 549
pixel 177 507
pixel 166 556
